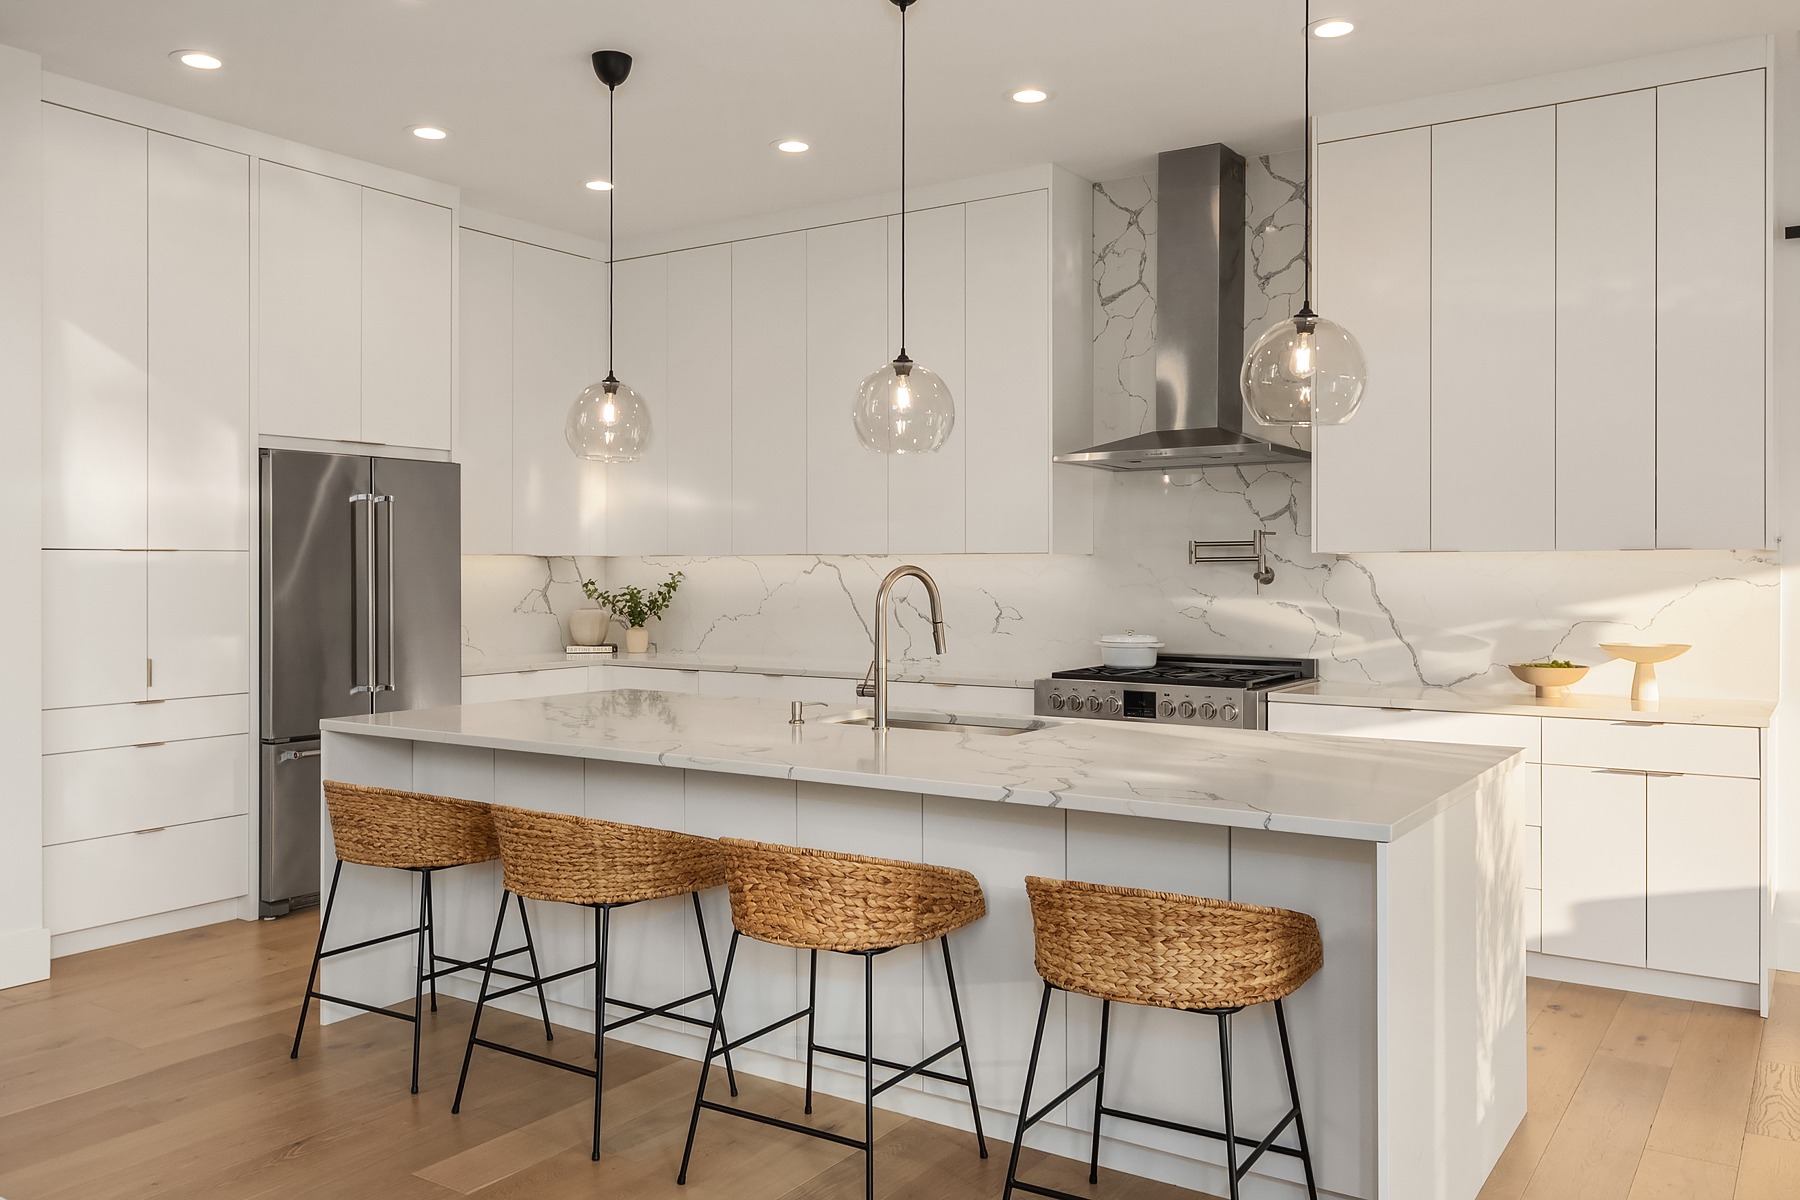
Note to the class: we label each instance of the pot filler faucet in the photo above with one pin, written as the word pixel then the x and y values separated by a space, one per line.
pixel 875 683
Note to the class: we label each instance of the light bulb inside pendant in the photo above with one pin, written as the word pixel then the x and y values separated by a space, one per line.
pixel 608 423
pixel 904 409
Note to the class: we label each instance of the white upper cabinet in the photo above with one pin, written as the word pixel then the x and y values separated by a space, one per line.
pixel 1373 474
pixel 926 492
pixel 846 340
pixel 696 412
pixel 637 493
pixel 768 396
pixel 485 392
pixel 1711 251
pixel 199 320
pixel 95 331
pixel 407 257
pixel 1606 330
pixel 309 320
pixel 559 501
pixel 1493 332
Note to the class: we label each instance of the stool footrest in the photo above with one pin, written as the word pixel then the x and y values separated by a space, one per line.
pixel 906 1072
pixel 791 1126
pixel 548 1062
pixel 368 1008
pixel 1267 1144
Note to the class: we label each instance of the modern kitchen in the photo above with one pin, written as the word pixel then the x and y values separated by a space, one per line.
pixel 675 600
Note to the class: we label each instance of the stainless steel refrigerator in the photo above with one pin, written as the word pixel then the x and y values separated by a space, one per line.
pixel 361 613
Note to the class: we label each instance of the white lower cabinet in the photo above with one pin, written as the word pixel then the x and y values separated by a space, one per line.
pixel 963 697
pixel 125 789
pixel 1594 881
pixel 659 679
pixel 110 879
pixel 523 685
pixel 749 685
pixel 1704 868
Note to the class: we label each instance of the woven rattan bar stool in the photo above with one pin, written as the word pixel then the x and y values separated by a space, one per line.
pixel 814 900
pixel 1167 951
pixel 602 865
pixel 410 831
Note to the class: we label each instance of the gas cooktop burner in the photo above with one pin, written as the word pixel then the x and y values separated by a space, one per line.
pixel 1162 672
pixel 1188 689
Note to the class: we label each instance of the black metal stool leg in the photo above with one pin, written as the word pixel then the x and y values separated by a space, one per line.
pixel 487 974
pixel 714 1037
pixel 712 984
pixel 431 958
pixel 312 977
pixel 1230 1120
pixel 1287 1058
pixel 812 1007
pixel 868 1076
pixel 1099 1091
pixel 1037 1045
pixel 963 1040
pixel 536 973
pixel 602 937
pixel 419 983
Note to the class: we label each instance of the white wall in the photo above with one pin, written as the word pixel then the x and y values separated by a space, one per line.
pixel 24 942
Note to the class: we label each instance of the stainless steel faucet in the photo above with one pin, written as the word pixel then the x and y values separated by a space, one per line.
pixel 875 683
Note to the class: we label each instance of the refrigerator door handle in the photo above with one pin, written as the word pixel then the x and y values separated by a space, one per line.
pixel 393 682
pixel 296 755
pixel 368 663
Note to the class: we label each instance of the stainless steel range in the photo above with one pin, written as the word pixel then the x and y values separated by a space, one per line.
pixel 1205 690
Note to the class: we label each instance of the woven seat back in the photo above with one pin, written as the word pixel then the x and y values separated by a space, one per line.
pixel 820 900
pixel 579 860
pixel 381 827
pixel 1168 950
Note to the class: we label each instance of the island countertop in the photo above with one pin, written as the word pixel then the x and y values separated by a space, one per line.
pixel 1351 788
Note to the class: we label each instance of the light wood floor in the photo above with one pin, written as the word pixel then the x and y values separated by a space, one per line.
pixel 160 1069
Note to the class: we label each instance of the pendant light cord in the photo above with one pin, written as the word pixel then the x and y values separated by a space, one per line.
pixel 1306 151
pixel 903 180
pixel 611 192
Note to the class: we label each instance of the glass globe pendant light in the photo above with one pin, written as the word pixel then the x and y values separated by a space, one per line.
pixel 902 408
pixel 609 422
pixel 1304 370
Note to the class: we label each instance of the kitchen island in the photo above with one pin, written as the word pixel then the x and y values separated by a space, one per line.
pixel 1410 1042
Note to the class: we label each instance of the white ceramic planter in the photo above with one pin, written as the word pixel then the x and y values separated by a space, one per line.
pixel 587 626
pixel 637 640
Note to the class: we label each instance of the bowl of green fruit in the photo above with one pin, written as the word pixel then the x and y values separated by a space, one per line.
pixel 1551 678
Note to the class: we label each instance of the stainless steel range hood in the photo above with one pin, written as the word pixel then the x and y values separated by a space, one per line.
pixel 1199 410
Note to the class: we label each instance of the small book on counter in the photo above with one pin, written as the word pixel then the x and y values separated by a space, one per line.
pixel 603 648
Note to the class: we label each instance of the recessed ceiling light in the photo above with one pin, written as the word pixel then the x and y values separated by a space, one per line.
pixel 1029 95
pixel 599 185
pixel 430 133
pixel 792 146
pixel 1332 27
pixel 200 60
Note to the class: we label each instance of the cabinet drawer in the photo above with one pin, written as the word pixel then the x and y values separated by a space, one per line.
pixel 1651 746
pixel 963 697
pixel 523 685
pixel 67 730
pixel 112 879
pixel 821 688
pixel 1410 724
pixel 97 793
pixel 655 679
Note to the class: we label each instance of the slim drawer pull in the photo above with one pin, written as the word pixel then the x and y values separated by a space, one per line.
pixel 1618 771
pixel 1637 724
pixel 149 745
pixel 1662 774
pixel 158 829
pixel 1391 708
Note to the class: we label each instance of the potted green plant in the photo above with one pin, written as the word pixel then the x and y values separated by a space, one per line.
pixel 636 606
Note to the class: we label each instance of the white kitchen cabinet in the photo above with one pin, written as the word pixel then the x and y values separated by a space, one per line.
pixel 1493 332
pixel 407 267
pixel 1606 328
pixel 1704 907
pixel 963 698
pixel 769 405
pixel 95 331
pixel 605 678
pixel 309 289
pixel 198 624
pixel 846 340
pixel 1372 475
pixel 1594 864
pixel 559 501
pixel 822 689
pixel 1711 252
pixel 106 880
pixel 697 412
pixel 927 492
pixel 523 685
pixel 100 793
pixel 637 493
pixel 197 431
pixel 71 730
pixel 95 627
pixel 484 436
pixel 1008 413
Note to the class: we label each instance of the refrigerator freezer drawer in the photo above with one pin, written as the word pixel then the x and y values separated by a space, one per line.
pixel 290 827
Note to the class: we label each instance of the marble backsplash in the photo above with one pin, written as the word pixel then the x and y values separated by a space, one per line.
pixel 1435 619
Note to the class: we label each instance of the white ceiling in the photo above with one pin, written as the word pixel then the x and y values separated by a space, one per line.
pixel 716 81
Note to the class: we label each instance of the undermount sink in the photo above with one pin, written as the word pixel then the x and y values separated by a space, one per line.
pixel 944 722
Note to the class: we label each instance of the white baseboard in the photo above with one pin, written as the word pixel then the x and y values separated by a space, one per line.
pixel 155 925
pixel 24 956
pixel 1642 979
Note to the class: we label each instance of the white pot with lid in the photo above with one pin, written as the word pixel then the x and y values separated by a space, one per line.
pixel 1129 649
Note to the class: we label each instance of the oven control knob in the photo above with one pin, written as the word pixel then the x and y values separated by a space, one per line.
pixel 1230 713
pixel 1093 703
pixel 1114 706
pixel 1165 709
pixel 1186 709
pixel 1208 712
pixel 1056 701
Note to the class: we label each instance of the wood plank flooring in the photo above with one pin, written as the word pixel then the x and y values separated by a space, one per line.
pixel 160 1070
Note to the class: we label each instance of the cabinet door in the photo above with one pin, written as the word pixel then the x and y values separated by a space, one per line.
pixel 199 624
pixel 846 339
pixel 698 424
pixel 111 879
pixel 199 383
pixel 95 620
pixel 309 318
pixel 95 323
pixel 1606 323
pixel 99 793
pixel 1710 258
pixel 559 501
pixel 637 493
pixel 524 685
pixel 1007 321
pixel 1493 333
pixel 408 247
pixel 1594 882
pixel 927 492
pixel 768 397
pixel 484 434
pixel 1705 876
pixel 1373 475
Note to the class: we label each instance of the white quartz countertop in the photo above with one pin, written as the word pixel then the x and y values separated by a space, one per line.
pixel 1744 713
pixel 1356 788
pixel 913 672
